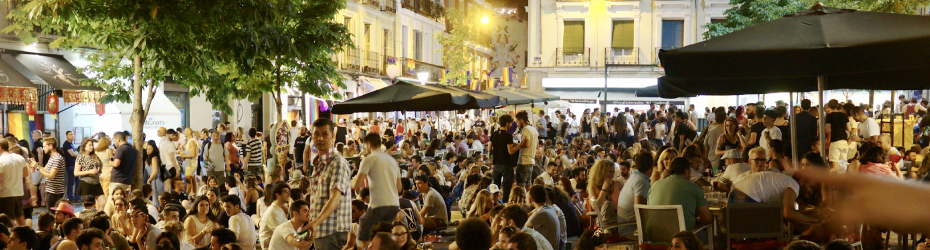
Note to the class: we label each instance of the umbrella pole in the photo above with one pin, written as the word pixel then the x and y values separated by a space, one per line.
pixel 794 130
pixel 823 116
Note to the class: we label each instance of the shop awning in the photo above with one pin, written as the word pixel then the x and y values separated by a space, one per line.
pixel 368 84
pixel 53 69
pixel 14 87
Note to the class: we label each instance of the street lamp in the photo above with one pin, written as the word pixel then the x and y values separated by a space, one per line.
pixel 423 76
pixel 484 20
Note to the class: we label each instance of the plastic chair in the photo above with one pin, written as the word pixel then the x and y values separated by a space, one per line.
pixel 614 225
pixel 754 220
pixel 659 223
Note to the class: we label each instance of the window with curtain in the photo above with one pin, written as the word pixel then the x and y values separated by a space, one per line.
pixel 622 34
pixel 673 33
pixel 573 38
pixel 417 45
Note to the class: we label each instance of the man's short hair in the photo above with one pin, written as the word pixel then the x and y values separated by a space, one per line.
pixel 119 136
pixel 522 116
pixel 838 245
pixel 25 234
pixel 802 245
pixel 374 140
pixel 253 132
pixel 101 222
pixel 538 194
pixel 805 104
pixel 224 236
pixel 771 113
pixel 295 206
pixel 319 123
pixel 171 132
pixel 168 209
pixel 644 162
pixel 515 213
pixel 234 199
pixel 524 241
pixel 504 119
pixel 71 224
pixel 416 158
pixel 679 166
pixel 46 220
pixel 86 238
pixel 231 181
pixel 476 234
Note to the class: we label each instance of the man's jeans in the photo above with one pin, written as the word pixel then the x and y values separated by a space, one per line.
pixel 333 241
pixel 507 172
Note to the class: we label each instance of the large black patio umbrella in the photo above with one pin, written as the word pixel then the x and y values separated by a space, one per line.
pixel 821 48
pixel 844 49
pixel 405 96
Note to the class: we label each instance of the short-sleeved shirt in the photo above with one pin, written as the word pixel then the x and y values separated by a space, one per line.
pixel 676 190
pixel 637 185
pixel 233 152
pixel 278 239
pixel 766 186
pixel 837 121
pixel 528 154
pixel 383 173
pixel 757 128
pixel 332 172
pixel 499 141
pixel 869 128
pixel 774 133
pixel 69 160
pixel 436 204
pixel 255 148
pixel 56 185
pixel 127 156
pixel 273 217
pixel 299 145
pixel 244 227
pixel 11 167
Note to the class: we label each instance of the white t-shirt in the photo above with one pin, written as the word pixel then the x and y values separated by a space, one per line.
pixel 476 145
pixel 279 238
pixel 766 186
pixel 774 132
pixel 383 172
pixel 660 131
pixel 294 133
pixel 735 170
pixel 169 154
pixel 869 128
pixel 150 238
pixel 11 167
pixel 273 216
pixel 241 224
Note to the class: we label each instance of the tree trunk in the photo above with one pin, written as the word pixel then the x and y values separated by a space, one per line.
pixel 137 120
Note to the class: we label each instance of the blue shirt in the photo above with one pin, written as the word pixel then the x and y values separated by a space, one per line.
pixel 637 185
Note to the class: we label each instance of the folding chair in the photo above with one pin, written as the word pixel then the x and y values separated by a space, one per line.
pixel 659 223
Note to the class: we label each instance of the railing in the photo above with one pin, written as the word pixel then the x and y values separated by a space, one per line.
pixel 373 3
pixel 627 56
pixel 349 60
pixel 427 8
pixel 572 57
pixel 410 71
pixel 389 6
pixel 372 63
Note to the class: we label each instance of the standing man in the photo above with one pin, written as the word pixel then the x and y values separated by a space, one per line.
pixel 12 173
pixel 123 163
pixel 542 125
pixel 67 150
pixel 285 235
pixel 382 173
pixel 330 208
pixel 771 132
pixel 169 151
pixel 806 127
pixel 253 154
pixel 527 146
pixel 837 123
pixel 500 148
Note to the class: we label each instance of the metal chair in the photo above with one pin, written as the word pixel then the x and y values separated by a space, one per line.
pixel 754 220
pixel 659 223
pixel 611 225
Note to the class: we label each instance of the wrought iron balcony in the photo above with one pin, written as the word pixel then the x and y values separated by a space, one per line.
pixel 623 56
pixel 372 62
pixel 573 57
pixel 389 6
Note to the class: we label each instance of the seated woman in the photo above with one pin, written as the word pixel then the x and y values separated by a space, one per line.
pixel 873 162
pixel 685 240
pixel 482 206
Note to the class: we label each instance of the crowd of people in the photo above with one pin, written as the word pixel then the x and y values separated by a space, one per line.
pixel 518 180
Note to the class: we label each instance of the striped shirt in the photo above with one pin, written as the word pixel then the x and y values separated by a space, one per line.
pixel 56 185
pixel 255 147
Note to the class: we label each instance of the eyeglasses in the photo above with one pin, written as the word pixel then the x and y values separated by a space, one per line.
pixel 400 235
pixel 758 159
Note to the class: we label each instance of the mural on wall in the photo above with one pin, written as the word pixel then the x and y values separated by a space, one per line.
pixel 508 46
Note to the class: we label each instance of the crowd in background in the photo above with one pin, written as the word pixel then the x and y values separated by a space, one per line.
pixel 519 180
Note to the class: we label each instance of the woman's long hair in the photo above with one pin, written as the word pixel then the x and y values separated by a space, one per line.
pixel 598 175
pixel 155 152
pixel 480 205
pixel 103 144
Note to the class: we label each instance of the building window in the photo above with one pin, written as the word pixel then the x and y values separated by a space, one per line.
pixel 367 37
pixel 718 20
pixel 673 34
pixel 573 38
pixel 388 49
pixel 417 45
pixel 622 34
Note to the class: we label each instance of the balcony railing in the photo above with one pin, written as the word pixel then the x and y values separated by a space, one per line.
pixel 572 57
pixel 427 8
pixel 349 60
pixel 389 6
pixel 623 56
pixel 409 68
pixel 372 63
pixel 373 3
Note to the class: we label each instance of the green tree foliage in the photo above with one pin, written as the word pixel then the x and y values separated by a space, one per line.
pixel 456 49
pixel 751 12
pixel 222 49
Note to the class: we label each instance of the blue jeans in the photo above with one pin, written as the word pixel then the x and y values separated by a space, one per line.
pixel 333 241
pixel 71 183
pixel 505 172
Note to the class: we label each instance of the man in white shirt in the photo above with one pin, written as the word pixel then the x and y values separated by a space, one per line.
pixel 529 141
pixel 383 176
pixel 240 223
pixel 735 168
pixel 868 127
pixel 13 172
pixel 285 235
pixel 548 177
pixel 275 215
pixel 771 132
pixel 474 144
pixel 467 123
pixel 168 148
pixel 767 186
pixel 516 216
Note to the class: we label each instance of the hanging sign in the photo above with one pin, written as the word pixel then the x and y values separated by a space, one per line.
pixel 30 108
